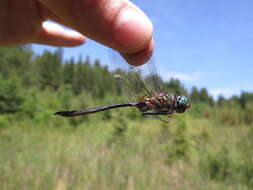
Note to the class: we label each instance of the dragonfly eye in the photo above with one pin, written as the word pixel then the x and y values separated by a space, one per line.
pixel 183 103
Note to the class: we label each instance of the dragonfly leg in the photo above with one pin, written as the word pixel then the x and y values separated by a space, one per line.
pixel 157 113
pixel 154 117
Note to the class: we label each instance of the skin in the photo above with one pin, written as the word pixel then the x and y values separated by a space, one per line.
pixel 117 24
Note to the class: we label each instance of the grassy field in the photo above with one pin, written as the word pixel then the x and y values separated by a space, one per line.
pixel 123 154
pixel 208 147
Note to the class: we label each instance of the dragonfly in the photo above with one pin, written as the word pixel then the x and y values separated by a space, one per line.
pixel 143 88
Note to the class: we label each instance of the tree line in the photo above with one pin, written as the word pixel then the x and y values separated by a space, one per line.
pixel 21 69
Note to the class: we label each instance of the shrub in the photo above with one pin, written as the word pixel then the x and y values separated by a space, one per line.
pixel 248 114
pixel 218 165
pixel 10 96
pixel 229 116
pixel 3 121
pixel 179 144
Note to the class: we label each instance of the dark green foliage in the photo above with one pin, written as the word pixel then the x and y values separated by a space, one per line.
pixel 205 97
pixel 245 99
pixel 69 71
pixel 246 164
pixel 77 80
pixel 178 143
pixel 14 61
pixel 194 94
pixel 200 144
pixel 221 101
pixel 107 115
pixel 248 114
pixel 49 69
pixel 201 96
pixel 11 97
pixel 217 166
pixel 174 86
pixel 222 166
pixel 119 132
pixel 133 114
pixel 120 128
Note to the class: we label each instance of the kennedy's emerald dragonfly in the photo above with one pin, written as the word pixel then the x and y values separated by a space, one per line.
pixel 143 88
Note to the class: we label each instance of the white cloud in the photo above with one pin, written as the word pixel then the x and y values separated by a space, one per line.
pixel 181 76
pixel 226 92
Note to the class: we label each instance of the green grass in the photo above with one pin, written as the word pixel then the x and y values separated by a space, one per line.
pixel 122 154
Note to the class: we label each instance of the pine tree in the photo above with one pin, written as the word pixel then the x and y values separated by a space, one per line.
pixel 68 71
pixel 50 69
pixel 194 94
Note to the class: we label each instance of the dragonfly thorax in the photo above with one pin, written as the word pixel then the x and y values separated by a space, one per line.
pixel 164 103
pixel 158 102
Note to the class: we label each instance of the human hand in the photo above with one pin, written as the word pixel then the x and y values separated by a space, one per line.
pixel 115 23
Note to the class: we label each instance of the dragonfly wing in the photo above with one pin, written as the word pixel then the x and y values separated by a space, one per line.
pixel 135 82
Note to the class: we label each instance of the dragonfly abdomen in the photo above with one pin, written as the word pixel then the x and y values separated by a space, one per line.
pixel 95 109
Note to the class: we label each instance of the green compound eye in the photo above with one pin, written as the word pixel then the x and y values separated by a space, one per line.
pixel 183 101
pixel 183 104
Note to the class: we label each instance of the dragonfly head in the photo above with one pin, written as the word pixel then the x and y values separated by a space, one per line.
pixel 183 103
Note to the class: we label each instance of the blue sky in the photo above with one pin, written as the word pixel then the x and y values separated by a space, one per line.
pixel 203 43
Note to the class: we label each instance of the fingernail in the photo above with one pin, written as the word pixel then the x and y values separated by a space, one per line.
pixel 140 58
pixel 133 30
